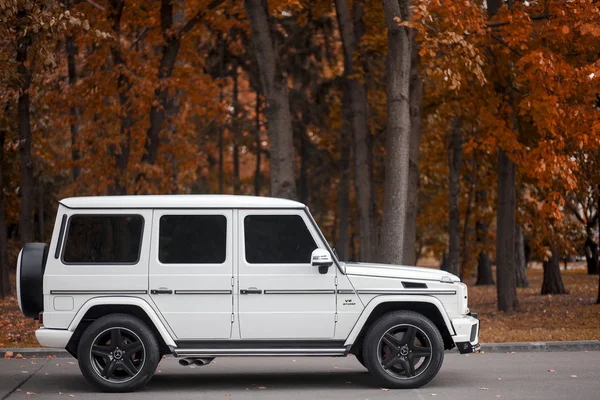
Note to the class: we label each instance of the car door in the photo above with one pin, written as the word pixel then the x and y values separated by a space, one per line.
pixel 191 271
pixel 281 296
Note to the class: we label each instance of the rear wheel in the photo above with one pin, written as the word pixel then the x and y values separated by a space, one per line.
pixel 403 349
pixel 118 353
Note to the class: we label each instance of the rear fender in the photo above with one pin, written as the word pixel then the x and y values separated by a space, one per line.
pixel 130 301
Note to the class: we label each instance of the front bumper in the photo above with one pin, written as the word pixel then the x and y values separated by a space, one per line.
pixel 57 338
pixel 467 333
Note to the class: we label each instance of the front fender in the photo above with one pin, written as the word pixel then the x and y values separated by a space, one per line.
pixel 130 301
pixel 376 301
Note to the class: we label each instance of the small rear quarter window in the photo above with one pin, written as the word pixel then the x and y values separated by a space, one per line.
pixel 103 239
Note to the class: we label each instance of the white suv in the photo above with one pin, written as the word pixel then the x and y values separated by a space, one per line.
pixel 128 279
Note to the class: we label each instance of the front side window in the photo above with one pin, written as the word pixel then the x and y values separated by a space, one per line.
pixel 277 239
pixel 192 239
pixel 103 239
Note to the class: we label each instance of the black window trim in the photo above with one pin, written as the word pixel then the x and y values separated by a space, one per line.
pixel 191 265
pixel 61 234
pixel 297 213
pixel 66 236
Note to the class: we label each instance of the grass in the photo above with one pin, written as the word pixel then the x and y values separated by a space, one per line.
pixel 572 316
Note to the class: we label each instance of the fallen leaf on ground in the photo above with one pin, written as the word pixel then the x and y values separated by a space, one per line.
pixel 19 355
pixel 483 388
pixel 227 394
pixel 31 393
pixel 385 390
pixel 8 354
pixel 551 370
pixel 261 388
pixel 573 376
pixel 71 362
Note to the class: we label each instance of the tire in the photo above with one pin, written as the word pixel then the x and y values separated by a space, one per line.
pixel 118 353
pixel 395 360
pixel 359 357
pixel 30 278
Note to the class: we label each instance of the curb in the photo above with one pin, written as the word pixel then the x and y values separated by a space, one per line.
pixel 37 352
pixel 532 347
pixel 517 347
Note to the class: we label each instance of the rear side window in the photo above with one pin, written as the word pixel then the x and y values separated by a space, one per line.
pixel 277 239
pixel 103 239
pixel 192 239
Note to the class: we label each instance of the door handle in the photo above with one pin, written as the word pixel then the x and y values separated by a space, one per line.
pixel 161 291
pixel 251 291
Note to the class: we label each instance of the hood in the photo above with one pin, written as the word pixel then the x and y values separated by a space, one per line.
pixel 398 271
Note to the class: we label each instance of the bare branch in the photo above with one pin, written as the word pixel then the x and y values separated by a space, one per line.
pixel 199 15
pixel 98 6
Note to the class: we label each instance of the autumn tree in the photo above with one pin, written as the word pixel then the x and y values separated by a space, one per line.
pixel 275 88
pixel 398 130
pixel 351 32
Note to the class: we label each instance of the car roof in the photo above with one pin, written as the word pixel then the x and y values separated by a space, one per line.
pixel 179 201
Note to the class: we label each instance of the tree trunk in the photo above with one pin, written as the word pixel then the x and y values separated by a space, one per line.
pixel 591 254
pixel 484 270
pixel 26 226
pixel 416 99
pixel 520 264
pixel 275 89
pixel 258 147
pixel 235 132
pixel 161 93
pixel 71 50
pixel 121 151
pixel 398 131
pixel 484 264
pixel 444 264
pixel 221 96
pixel 505 235
pixel 40 213
pixel 170 49
pixel 4 267
pixel 553 283
pixel 343 207
pixel 351 35
pixel 454 151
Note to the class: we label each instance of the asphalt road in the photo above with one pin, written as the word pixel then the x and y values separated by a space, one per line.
pixel 557 375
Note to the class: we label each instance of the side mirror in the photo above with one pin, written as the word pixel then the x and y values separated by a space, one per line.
pixel 321 258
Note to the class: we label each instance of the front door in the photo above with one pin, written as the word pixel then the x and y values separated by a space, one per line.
pixel 191 271
pixel 281 296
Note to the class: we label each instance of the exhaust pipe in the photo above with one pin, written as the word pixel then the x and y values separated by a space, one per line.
pixel 199 362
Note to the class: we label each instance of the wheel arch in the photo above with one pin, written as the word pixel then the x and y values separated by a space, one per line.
pixel 428 306
pixel 101 306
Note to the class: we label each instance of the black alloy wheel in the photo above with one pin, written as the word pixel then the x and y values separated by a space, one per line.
pixel 403 349
pixel 118 353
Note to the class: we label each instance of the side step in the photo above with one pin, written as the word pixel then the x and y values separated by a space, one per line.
pixel 332 352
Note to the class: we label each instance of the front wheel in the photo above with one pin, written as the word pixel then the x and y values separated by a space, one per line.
pixel 403 349
pixel 118 353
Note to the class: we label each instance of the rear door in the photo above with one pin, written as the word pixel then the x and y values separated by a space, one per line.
pixel 191 271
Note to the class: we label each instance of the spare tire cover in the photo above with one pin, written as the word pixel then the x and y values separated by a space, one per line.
pixel 33 264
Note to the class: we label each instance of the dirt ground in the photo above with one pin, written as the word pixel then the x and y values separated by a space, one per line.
pixel 573 316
